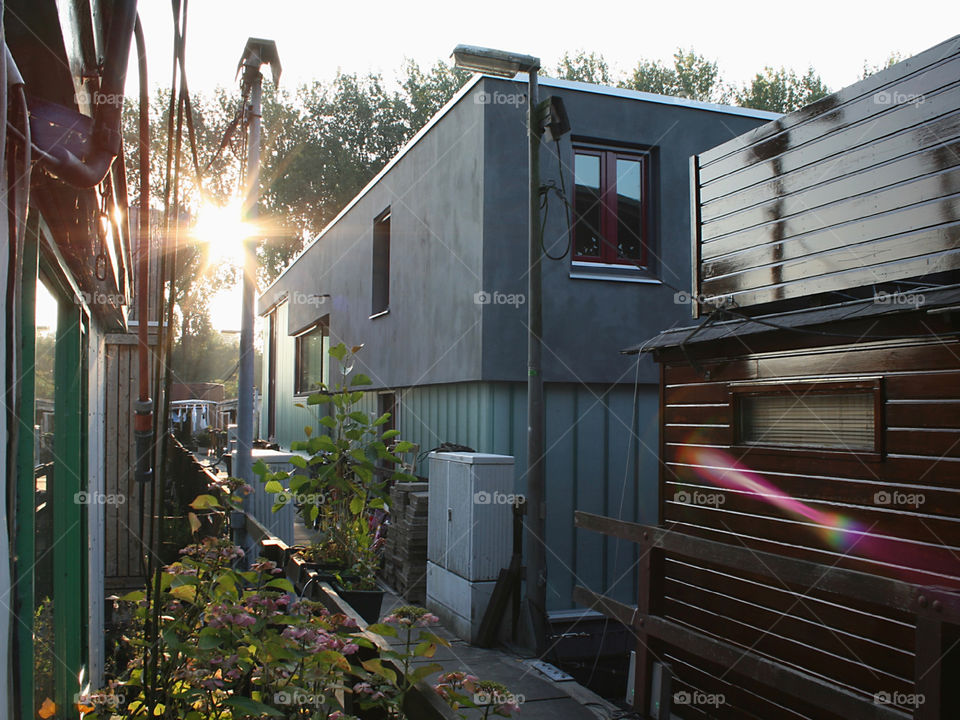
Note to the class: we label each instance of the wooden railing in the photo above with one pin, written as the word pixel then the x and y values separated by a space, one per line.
pixel 931 608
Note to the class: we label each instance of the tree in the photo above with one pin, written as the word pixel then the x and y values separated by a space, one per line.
pixel 692 76
pixel 892 59
pixel 584 67
pixel 781 90
pixel 427 92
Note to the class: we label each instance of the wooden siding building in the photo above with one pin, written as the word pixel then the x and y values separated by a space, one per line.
pixel 807 559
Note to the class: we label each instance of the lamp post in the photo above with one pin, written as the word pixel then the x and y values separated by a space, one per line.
pixel 256 53
pixel 507 65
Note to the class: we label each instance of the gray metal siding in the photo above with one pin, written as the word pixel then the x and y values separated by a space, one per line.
pixel 600 458
pixel 859 188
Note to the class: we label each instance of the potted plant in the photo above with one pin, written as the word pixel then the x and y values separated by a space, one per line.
pixel 340 486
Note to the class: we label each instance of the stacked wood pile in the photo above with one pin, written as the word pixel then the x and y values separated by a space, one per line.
pixel 405 553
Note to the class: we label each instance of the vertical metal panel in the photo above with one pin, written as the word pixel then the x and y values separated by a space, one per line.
pixel 694 235
pixel 592 454
pixel 68 582
pixel 96 522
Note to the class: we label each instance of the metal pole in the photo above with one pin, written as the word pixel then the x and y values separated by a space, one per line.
pixel 243 470
pixel 536 587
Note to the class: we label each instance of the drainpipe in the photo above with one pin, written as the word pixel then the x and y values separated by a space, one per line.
pixel 143 408
pixel 90 170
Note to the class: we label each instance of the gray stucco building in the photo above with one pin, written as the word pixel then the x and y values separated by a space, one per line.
pixel 426 268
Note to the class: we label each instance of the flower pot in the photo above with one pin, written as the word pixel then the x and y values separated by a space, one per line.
pixel 366 602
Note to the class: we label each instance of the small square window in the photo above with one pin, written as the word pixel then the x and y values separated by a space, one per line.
pixel 311 369
pixel 819 416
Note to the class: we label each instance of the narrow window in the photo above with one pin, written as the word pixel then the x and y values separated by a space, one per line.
pixel 611 201
pixel 381 264
pixel 311 369
pixel 828 416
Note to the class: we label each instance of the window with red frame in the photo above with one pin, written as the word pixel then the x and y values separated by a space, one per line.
pixel 610 206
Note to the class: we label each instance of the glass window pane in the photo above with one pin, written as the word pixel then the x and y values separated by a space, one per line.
pixel 587 205
pixel 842 421
pixel 312 348
pixel 43 433
pixel 629 209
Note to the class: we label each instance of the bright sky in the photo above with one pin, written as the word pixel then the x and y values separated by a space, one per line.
pixel 315 39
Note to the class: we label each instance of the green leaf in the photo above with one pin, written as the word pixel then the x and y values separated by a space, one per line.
pixel 204 502
pixel 282 584
pixel 360 379
pixel 273 487
pixel 208 642
pixel 377 668
pixel 194 522
pixel 339 351
pixel 298 461
pixel 356 505
pixel 260 467
pixel 383 629
pixel 246 706
pixel 360 417
pixel 424 670
pixel 329 422
pixel 319 399
pixel 403 446
pixel 425 649
pixel 433 637
pixel 135 596
pixel 389 434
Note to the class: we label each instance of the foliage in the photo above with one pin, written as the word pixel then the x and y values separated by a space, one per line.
pixel 868 69
pixel 460 689
pixel 232 644
pixel 692 76
pixel 338 486
pixel 386 685
pixel 781 90
pixel 583 66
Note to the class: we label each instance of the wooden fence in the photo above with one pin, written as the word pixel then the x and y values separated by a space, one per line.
pixel 935 613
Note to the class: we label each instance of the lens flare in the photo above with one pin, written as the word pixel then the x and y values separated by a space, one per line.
pixel 913 560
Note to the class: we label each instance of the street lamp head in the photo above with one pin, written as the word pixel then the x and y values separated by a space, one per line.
pixel 259 51
pixel 493 62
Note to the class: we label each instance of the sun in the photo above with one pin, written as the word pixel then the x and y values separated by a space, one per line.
pixel 223 230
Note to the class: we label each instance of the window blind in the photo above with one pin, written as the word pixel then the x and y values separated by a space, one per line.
pixel 843 421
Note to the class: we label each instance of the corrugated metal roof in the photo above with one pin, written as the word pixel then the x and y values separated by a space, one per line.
pixel 805 320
